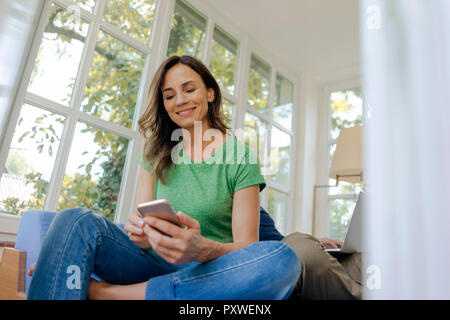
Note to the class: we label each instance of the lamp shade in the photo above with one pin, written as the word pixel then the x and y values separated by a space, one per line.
pixel 347 159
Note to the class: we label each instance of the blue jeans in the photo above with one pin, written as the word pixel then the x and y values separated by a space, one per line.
pixel 80 242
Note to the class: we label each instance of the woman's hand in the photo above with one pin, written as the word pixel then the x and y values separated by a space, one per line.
pixel 180 245
pixel 135 229
pixel 330 243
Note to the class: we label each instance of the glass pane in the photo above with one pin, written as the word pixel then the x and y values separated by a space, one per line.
pixel 59 55
pixel 94 171
pixel 113 82
pixel 255 133
pixel 346 110
pixel 284 97
pixel 259 85
pixel 228 111
pixel 280 153
pixel 133 17
pixel 31 156
pixel 223 60
pixel 278 209
pixel 187 36
pixel 86 4
pixel 340 213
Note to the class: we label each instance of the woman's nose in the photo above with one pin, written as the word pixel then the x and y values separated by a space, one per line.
pixel 180 99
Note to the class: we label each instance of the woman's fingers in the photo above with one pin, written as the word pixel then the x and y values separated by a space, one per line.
pixel 163 225
pixel 165 246
pixel 188 221
pixel 135 224
pixel 133 229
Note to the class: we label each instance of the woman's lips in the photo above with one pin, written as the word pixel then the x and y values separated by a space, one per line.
pixel 185 112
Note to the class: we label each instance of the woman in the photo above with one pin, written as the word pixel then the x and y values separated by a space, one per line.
pixel 216 255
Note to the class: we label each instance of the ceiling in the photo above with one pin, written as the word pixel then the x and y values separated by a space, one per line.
pixel 314 36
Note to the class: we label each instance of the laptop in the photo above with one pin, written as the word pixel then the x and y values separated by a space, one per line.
pixel 353 239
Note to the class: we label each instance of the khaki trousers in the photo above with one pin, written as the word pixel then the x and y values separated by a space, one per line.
pixel 324 276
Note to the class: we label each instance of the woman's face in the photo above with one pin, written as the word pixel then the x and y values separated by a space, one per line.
pixel 185 96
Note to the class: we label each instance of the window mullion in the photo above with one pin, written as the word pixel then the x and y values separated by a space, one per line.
pixel 242 74
pixel 75 9
pixel 125 38
pixel 208 40
pixel 56 180
pixel 86 59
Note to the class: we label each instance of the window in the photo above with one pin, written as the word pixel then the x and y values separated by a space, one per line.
pixel 346 110
pixel 75 124
pixel 222 63
pixel 267 126
pixel 187 36
pixel 73 137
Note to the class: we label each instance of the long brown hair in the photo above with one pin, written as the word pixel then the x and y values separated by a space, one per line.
pixel 156 121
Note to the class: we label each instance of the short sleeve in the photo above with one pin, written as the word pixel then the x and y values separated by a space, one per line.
pixel 248 172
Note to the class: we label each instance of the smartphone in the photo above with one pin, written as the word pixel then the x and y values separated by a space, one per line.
pixel 161 209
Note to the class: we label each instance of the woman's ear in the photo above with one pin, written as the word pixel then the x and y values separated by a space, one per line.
pixel 211 95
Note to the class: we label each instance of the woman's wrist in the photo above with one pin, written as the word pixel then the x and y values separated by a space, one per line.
pixel 211 250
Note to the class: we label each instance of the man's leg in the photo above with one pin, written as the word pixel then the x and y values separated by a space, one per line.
pixel 322 276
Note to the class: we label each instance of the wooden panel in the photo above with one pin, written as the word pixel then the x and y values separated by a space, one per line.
pixel 12 274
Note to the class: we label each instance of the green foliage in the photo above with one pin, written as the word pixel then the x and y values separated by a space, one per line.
pixel 186 36
pixel 14 206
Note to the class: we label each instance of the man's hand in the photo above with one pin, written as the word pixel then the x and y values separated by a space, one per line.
pixel 330 243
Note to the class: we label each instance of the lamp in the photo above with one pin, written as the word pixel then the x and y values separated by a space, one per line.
pixel 347 161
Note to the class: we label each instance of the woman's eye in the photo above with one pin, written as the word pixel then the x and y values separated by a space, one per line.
pixel 190 90
pixel 168 97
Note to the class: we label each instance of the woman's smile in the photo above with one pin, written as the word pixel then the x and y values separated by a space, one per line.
pixel 186 112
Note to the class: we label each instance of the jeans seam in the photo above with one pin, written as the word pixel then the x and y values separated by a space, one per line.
pixel 178 281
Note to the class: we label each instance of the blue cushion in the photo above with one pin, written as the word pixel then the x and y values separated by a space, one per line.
pixel 32 229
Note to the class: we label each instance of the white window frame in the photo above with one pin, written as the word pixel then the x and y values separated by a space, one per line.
pixel 324 142
pixel 125 204
pixel 156 53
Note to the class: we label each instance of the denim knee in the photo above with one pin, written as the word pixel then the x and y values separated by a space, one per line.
pixel 276 272
pixel 283 266
pixel 78 218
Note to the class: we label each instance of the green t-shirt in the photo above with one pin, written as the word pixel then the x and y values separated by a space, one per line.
pixel 204 190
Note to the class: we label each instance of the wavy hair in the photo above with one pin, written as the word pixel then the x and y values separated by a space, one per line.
pixel 157 127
